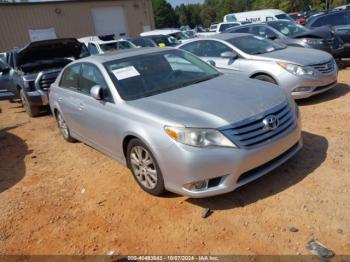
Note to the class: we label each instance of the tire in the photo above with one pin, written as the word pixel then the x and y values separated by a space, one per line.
pixel 64 129
pixel 32 111
pixel 145 168
pixel 265 78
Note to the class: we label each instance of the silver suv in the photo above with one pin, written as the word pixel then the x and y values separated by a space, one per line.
pixel 177 123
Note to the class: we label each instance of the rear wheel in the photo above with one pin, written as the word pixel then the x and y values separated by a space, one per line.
pixel 265 78
pixel 144 167
pixel 64 128
pixel 32 111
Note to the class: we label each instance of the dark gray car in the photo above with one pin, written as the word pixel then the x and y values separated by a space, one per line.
pixel 6 85
pixel 292 34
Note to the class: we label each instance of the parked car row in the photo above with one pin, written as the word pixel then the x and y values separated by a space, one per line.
pixel 200 119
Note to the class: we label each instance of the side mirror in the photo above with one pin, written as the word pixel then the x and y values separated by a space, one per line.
pixel 271 36
pixel 211 62
pixel 229 54
pixel 97 92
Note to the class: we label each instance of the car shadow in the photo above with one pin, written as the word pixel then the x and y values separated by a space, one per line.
pixel 13 150
pixel 338 91
pixel 309 158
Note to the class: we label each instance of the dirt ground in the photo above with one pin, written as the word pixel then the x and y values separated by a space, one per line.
pixel 61 198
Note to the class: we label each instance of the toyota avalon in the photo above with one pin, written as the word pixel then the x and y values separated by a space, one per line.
pixel 175 121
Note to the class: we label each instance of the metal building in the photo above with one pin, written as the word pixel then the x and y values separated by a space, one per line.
pixel 79 18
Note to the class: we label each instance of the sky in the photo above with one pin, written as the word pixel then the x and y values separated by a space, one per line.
pixel 172 2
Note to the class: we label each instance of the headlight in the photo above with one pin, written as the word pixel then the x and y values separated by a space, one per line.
pixel 297 70
pixel 313 41
pixel 198 137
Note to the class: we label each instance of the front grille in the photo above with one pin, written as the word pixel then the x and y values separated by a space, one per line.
pixel 45 80
pixel 325 68
pixel 252 132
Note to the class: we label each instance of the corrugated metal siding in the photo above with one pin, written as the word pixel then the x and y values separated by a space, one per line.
pixel 75 19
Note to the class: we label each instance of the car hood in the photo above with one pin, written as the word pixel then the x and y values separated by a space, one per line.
pixel 319 32
pixel 214 103
pixel 47 49
pixel 298 55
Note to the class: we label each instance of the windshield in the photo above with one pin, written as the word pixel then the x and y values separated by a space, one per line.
pixel 255 45
pixel 150 74
pixel 287 28
pixel 284 16
pixel 109 47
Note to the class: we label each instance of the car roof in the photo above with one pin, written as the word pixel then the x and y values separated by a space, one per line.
pixel 102 58
pixel 226 36
pixel 167 31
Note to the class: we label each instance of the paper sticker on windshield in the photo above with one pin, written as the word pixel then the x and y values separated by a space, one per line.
pixel 125 72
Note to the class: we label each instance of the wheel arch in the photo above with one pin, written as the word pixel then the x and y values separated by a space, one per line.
pixel 264 74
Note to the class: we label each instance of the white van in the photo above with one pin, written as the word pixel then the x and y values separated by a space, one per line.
pixel 257 16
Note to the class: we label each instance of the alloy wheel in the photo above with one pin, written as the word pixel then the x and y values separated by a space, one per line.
pixel 143 167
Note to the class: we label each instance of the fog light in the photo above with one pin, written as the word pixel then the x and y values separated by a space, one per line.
pixel 197 186
pixel 303 89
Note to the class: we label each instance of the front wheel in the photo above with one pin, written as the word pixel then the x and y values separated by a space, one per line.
pixel 144 167
pixel 32 111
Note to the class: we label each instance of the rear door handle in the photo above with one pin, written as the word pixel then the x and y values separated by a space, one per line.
pixel 60 99
pixel 81 106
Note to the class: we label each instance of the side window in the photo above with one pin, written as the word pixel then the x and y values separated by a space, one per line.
pixel 70 77
pixel 336 19
pixel 347 17
pixel 242 30
pixel 93 49
pixel 90 77
pixel 194 48
pixel 262 31
pixel 214 48
pixel 269 18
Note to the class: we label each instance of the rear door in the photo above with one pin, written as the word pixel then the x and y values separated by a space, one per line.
pixel 67 97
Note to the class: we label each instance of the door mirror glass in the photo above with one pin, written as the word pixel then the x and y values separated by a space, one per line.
pixel 230 55
pixel 211 62
pixel 97 92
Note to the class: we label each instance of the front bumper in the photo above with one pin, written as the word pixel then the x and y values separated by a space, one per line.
pixel 311 91
pixel 38 98
pixel 236 166
pixel 304 87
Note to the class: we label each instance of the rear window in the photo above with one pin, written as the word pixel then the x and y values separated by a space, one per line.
pixel 284 16
pixel 331 19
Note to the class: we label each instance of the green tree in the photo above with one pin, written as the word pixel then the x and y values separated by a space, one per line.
pixel 164 14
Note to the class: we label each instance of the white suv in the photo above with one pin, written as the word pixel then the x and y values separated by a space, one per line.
pixel 96 45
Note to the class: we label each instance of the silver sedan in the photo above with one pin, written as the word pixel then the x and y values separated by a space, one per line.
pixel 303 72
pixel 175 121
